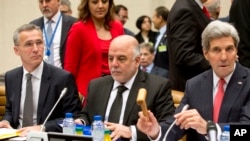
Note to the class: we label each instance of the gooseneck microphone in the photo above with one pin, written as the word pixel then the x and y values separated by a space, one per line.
pixel 58 100
pixel 211 131
pixel 171 126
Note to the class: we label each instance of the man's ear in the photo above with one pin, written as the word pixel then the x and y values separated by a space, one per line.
pixel 205 53
pixel 16 50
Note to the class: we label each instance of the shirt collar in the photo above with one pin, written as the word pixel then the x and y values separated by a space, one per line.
pixel 163 30
pixel 199 3
pixel 37 72
pixel 216 79
pixel 127 84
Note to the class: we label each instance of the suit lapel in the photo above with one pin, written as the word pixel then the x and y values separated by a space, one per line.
pixel 207 89
pixel 139 82
pixel 44 88
pixel 65 27
pixel 106 93
pixel 17 95
pixel 234 86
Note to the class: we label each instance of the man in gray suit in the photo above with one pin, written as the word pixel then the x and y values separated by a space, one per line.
pixel 55 39
pixel 124 61
pixel 46 83
pixel 147 58
pixel 220 94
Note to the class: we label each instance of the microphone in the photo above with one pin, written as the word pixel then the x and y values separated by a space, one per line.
pixel 211 131
pixel 171 126
pixel 58 100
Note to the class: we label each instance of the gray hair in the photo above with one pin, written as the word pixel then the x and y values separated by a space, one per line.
pixel 218 29
pixel 136 52
pixel 147 46
pixel 25 27
pixel 213 8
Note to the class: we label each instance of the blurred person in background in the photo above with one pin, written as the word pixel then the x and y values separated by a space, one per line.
pixel 65 7
pixel 122 15
pixel 146 34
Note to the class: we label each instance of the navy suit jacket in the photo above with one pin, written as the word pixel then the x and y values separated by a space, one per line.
pixel 186 21
pixel 52 83
pixel 67 22
pixel 159 99
pixel 199 95
pixel 159 71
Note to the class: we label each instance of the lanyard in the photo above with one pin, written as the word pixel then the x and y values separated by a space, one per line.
pixel 49 43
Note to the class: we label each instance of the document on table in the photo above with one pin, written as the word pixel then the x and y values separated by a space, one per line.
pixel 7 133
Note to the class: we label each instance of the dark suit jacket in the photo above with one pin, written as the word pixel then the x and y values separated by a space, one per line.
pixel 158 100
pixel 199 95
pixel 151 35
pixel 161 58
pixel 186 21
pixel 240 17
pixel 159 71
pixel 67 22
pixel 52 83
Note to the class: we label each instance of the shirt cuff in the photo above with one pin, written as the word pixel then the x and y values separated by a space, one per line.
pixel 158 137
pixel 133 133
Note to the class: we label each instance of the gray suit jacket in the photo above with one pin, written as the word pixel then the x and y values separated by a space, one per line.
pixel 67 22
pixel 199 95
pixel 52 83
pixel 159 99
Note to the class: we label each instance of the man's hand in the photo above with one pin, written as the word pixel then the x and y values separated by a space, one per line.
pixel 149 126
pixel 24 131
pixel 191 119
pixel 5 124
pixel 118 130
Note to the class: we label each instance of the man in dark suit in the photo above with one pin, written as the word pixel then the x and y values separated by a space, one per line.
pixel 61 23
pixel 239 16
pixel 185 24
pixel 124 61
pixel 160 23
pixel 47 82
pixel 220 94
pixel 147 58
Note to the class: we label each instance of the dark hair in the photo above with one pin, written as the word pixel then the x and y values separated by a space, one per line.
pixel 162 11
pixel 140 20
pixel 84 13
pixel 119 7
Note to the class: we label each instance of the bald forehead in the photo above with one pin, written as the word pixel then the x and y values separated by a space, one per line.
pixel 124 40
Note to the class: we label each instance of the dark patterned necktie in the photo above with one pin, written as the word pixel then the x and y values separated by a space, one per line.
pixel 115 111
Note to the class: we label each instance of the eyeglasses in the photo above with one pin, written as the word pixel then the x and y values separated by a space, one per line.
pixel 30 44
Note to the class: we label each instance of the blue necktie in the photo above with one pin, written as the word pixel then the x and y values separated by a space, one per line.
pixel 49 36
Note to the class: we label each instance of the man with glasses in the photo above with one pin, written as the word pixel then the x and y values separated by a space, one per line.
pixel 122 15
pixel 34 88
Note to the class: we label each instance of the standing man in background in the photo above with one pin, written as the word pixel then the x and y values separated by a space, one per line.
pixel 122 15
pixel 186 21
pixel 161 51
pixel 55 26
pixel 65 7
pixel 240 17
